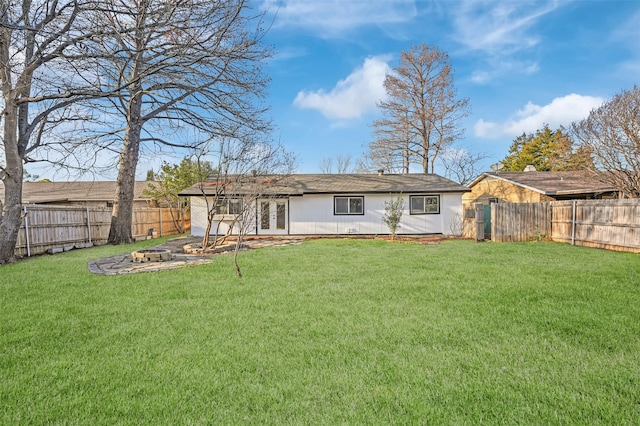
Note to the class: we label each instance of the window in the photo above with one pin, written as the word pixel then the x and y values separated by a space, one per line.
pixel 229 206
pixel 348 205
pixel 425 204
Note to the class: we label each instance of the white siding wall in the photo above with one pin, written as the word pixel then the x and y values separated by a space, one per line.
pixel 198 216
pixel 199 219
pixel 313 214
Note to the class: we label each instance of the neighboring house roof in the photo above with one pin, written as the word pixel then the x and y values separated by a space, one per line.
pixel 552 183
pixel 300 184
pixel 60 192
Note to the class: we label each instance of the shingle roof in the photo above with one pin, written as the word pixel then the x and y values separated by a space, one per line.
pixel 58 192
pixel 299 184
pixel 553 183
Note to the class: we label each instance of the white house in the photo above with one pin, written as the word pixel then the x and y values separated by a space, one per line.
pixel 328 204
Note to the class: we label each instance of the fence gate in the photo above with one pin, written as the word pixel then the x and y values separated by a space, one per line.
pixel 487 221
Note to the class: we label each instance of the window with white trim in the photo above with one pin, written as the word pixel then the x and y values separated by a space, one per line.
pixel 424 204
pixel 348 205
pixel 229 206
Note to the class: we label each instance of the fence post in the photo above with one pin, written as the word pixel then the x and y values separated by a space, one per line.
pixel 88 225
pixel 573 223
pixel 26 230
pixel 479 207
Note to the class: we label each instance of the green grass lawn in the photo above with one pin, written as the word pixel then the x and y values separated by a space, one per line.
pixel 328 332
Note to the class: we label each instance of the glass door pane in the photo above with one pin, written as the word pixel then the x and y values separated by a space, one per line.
pixel 265 221
pixel 281 215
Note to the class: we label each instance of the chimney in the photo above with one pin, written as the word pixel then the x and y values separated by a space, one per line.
pixel 530 168
pixel 380 172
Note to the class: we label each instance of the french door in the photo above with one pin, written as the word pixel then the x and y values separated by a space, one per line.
pixel 273 217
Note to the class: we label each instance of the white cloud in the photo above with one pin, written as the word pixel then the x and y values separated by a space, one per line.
pixel 499 30
pixel 503 67
pixel 499 26
pixel 353 96
pixel 288 53
pixel 332 17
pixel 560 112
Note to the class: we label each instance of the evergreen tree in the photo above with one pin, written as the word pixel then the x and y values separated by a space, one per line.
pixel 173 178
pixel 546 150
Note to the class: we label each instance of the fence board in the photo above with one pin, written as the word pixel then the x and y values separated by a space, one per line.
pixel 51 227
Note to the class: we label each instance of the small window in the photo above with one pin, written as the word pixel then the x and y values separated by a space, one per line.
pixel 235 206
pixel 229 206
pixel 425 204
pixel 348 205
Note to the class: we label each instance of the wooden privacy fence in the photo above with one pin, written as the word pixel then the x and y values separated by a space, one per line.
pixel 54 228
pixel 520 222
pixel 608 224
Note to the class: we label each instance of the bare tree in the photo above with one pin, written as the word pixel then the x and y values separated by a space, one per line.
pixel 422 116
pixel 342 163
pixel 326 165
pixel 190 70
pixel 247 171
pixel 461 165
pixel 392 150
pixel 43 76
pixel 611 133
pixel 372 162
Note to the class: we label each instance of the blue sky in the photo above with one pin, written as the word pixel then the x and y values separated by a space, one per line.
pixel 521 64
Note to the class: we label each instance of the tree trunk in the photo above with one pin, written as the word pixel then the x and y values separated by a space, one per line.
pixel 207 230
pixel 122 216
pixel 235 255
pixel 11 219
pixel 425 164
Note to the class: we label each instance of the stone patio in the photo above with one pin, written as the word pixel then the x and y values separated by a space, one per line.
pixel 124 264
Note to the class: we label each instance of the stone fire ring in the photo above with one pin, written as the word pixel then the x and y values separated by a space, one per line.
pixel 151 255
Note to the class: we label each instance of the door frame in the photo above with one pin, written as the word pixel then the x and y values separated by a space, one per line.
pixel 274 216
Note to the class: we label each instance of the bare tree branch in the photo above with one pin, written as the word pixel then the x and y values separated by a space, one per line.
pixel 460 165
pixel 611 134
